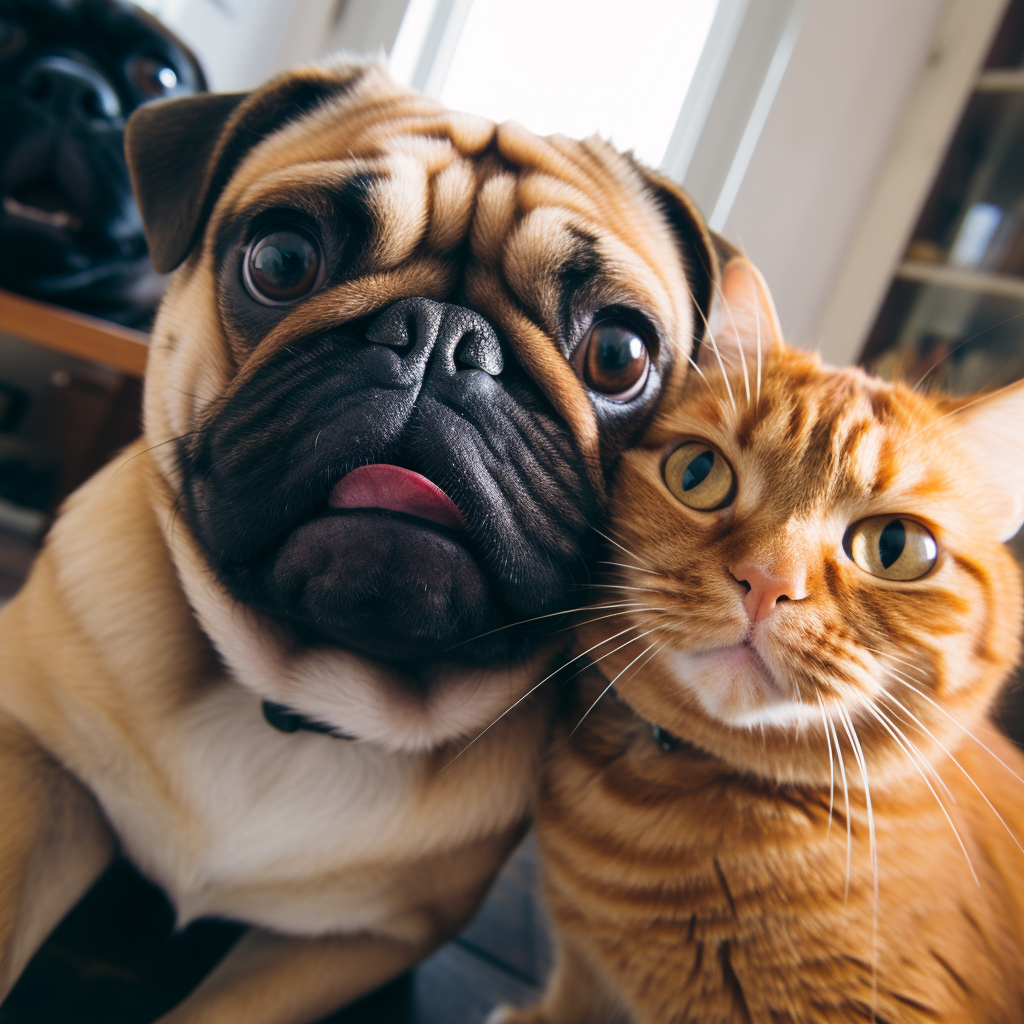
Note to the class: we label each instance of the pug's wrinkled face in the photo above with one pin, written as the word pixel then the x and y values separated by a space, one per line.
pixel 405 349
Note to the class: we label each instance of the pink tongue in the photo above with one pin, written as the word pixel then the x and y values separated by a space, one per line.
pixel 398 490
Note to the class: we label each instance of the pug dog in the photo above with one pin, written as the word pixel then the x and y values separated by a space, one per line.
pixel 281 652
pixel 71 71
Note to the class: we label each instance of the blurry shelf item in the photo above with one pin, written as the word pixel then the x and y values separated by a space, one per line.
pixel 953 314
pixel 76 334
pixel 1005 285
pixel 24 522
pixel 1001 80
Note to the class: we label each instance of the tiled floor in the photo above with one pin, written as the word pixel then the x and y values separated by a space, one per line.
pixel 116 959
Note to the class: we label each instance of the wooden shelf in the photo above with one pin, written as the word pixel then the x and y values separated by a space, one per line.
pixel 75 334
pixel 1003 285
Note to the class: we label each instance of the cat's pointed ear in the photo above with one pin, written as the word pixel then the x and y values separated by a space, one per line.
pixel 743 318
pixel 992 431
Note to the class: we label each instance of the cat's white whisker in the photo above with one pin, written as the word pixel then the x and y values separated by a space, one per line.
pixel 902 661
pixel 550 675
pixel 706 381
pixel 900 678
pixel 959 345
pixel 612 540
pixel 718 354
pixel 913 751
pixel 831 767
pixel 846 800
pixel 916 751
pixel 757 320
pixel 983 397
pixel 657 650
pixel 721 363
pixel 616 679
pixel 637 609
pixel 886 724
pixel 858 753
pixel 549 615
pixel 739 343
pixel 948 754
pixel 636 568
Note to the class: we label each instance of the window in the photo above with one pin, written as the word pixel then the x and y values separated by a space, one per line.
pixel 621 70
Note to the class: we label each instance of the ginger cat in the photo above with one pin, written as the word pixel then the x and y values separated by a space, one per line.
pixel 790 805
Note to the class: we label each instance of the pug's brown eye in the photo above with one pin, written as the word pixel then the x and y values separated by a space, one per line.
pixel 699 477
pixel 282 265
pixel 151 76
pixel 615 360
pixel 891 547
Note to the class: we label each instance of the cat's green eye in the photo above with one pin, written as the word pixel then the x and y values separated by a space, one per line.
pixel 891 547
pixel 699 477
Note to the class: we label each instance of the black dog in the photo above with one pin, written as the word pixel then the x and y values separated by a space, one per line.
pixel 71 71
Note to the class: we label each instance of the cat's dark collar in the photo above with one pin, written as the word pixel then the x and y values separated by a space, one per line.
pixel 284 719
pixel 662 737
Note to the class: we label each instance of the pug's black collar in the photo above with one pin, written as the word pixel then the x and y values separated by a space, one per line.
pixel 284 719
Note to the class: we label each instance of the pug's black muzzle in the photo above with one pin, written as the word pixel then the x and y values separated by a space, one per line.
pixel 429 387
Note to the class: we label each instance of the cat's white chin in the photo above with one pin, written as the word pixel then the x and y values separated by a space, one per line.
pixel 734 686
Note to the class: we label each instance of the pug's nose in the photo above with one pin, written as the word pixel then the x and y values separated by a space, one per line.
pixel 764 591
pixel 460 338
pixel 69 89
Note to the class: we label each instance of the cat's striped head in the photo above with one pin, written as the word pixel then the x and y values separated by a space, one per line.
pixel 802 545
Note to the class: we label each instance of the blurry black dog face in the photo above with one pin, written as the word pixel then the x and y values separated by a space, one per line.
pixel 71 71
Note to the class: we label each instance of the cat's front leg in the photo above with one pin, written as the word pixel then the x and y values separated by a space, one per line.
pixel 575 994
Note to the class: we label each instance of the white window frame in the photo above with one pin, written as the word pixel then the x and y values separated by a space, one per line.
pixel 742 63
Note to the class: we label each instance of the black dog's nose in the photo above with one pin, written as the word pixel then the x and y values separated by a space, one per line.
pixel 461 337
pixel 69 89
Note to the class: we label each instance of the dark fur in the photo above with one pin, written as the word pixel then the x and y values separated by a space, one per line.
pixel 65 92
pixel 258 477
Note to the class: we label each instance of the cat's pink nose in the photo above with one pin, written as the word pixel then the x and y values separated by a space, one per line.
pixel 766 591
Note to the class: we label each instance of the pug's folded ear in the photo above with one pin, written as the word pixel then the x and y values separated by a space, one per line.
pixel 700 247
pixel 182 152
pixel 171 147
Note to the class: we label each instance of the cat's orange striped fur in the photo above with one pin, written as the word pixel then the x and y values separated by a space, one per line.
pixel 823 826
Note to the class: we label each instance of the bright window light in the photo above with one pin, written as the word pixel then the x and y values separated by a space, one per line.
pixel 581 66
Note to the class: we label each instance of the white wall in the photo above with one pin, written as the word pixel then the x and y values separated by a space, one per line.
pixel 825 139
pixel 240 43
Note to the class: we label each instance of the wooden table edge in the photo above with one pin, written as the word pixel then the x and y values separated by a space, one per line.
pixel 75 334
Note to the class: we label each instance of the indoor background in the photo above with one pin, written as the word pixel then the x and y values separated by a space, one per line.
pixel 866 154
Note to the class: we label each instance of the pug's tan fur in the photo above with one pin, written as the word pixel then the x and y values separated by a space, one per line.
pixel 131 682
